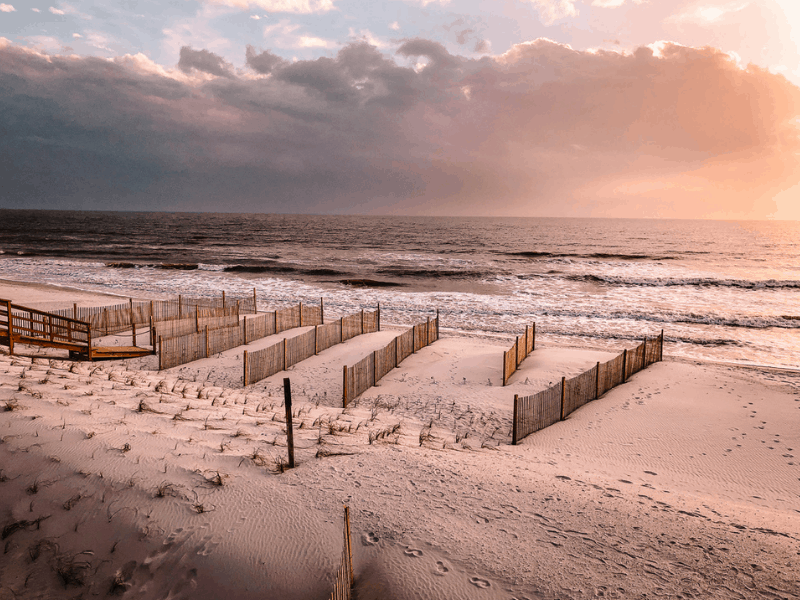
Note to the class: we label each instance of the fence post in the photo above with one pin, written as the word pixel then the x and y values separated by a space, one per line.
pixel 287 400
pixel 349 542
pixel 362 321
pixel 533 345
pixel 285 345
pixel 237 308
pixel 255 306
pixel 437 323
pixel 624 365
pixel 661 347
pixel 597 381
pixel 516 352
pixel 344 386
pixel 180 306
pixel 75 310
pixel 11 328
pixel 526 341
pixel 374 367
pixel 341 328
pixel 152 334
pixel 207 345
pixel 644 352
pixel 396 351
pixel 105 318
pixel 321 312
pixel 160 354
pixel 223 301
pixel 428 332
pixel 244 337
pixel 89 339
pixel 563 390
pixel 151 309
pixel 505 358
pixel 379 316
pixel 275 320
pixel 301 314
pixel 133 327
pixel 245 368
pixel 514 423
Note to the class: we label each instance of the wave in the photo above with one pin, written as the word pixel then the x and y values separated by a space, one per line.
pixel 689 281
pixel 262 268
pixel 432 273
pixel 369 283
pixel 595 255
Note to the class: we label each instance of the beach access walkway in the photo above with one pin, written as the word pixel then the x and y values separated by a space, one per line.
pixel 29 326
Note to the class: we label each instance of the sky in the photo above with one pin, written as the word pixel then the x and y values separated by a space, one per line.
pixel 589 108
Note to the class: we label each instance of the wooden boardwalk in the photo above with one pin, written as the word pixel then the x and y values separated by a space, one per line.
pixel 29 326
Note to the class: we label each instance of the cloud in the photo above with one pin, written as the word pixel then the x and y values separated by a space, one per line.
pixel 394 26
pixel 77 35
pixel 286 34
pixel 7 8
pixel 553 10
pixel 541 130
pixel 205 62
pixel 264 62
pixel 303 7
pixel 707 13
pixel 55 11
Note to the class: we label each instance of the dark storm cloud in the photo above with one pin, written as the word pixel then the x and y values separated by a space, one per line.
pixel 204 61
pixel 540 129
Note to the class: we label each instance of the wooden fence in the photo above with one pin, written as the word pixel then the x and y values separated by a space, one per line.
pixel 343 583
pixel 522 347
pixel 370 369
pixel 261 364
pixel 532 413
pixel 177 328
pixel 214 337
pixel 105 320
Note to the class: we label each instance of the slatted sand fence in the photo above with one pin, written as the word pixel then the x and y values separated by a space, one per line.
pixel 106 320
pixel 209 340
pixel 177 328
pixel 261 364
pixel 369 370
pixel 522 347
pixel 343 583
pixel 532 413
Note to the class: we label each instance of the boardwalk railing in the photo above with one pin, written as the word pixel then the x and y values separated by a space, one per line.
pixel 106 320
pixel 370 369
pixel 343 583
pixel 532 413
pixel 522 347
pixel 213 337
pixel 261 364
pixel 20 324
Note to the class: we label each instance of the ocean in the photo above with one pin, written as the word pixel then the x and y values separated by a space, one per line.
pixel 721 290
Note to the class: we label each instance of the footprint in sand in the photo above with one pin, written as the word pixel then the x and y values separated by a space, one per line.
pixel 369 539
pixel 651 472
pixel 441 569
pixel 413 552
pixel 478 582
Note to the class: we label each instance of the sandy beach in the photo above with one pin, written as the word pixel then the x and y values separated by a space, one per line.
pixel 120 480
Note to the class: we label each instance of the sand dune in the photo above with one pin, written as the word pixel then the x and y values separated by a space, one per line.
pixel 118 480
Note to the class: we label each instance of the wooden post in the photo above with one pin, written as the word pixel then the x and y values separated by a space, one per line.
pixel 505 356
pixel 396 351
pixel 379 316
pixel 514 422
pixel 301 314
pixel 341 328
pixel 180 304
pixel 244 336
pixel 160 355
pixel 428 332
pixel 89 340
pixel 661 347
pixel 526 341
pixel 151 310
pixel 624 365
pixel 152 334
pixel 223 301
pixel 105 318
pixel 10 329
pixel 255 306
pixel 316 336
pixel 374 367
pixel 275 321
pixel 344 386
pixel 237 308
pixel 321 312
pixel 287 400
pixel 533 346
pixel 644 352
pixel 133 328
pixel 362 320
pixel 563 390
pixel 133 321
pixel 516 352
pixel 284 353
pixel 349 542
pixel 437 323
pixel 597 381
pixel 206 341
pixel 75 310
pixel 245 368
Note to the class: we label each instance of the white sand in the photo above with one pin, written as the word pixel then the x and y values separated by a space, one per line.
pixel 683 482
